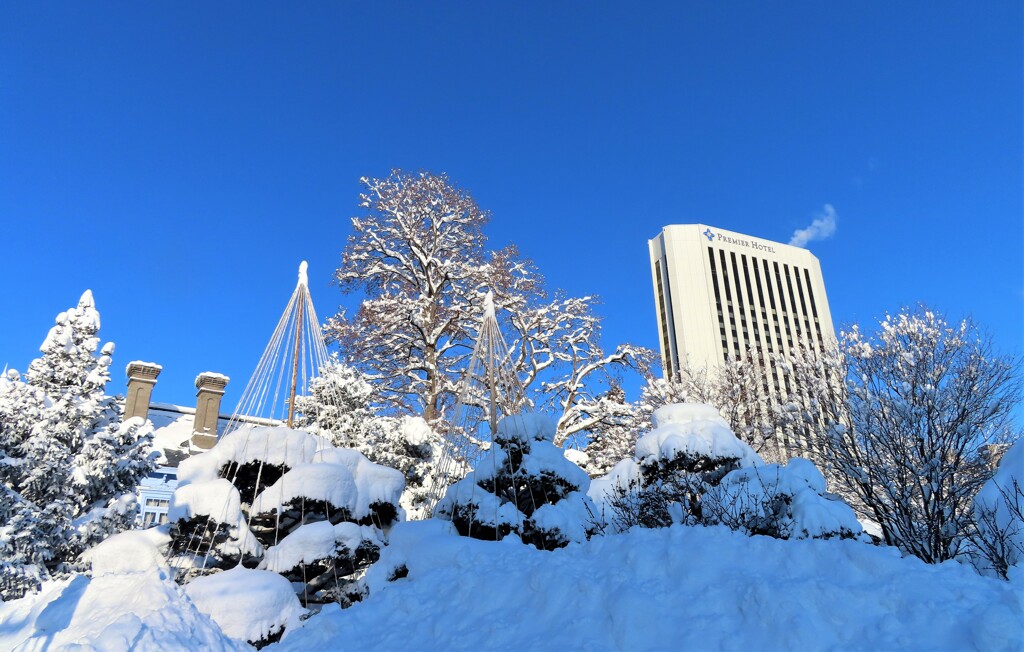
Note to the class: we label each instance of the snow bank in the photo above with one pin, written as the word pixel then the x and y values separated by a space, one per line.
pixel 129 604
pixel 129 552
pixel 678 588
pixel 692 429
pixel 249 605
pixel 623 476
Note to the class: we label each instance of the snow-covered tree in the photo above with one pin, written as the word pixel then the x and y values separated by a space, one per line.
pixel 614 437
pixel 523 486
pixel 286 501
pixel 907 434
pixel 339 408
pixel 419 258
pixel 68 465
pixel 736 387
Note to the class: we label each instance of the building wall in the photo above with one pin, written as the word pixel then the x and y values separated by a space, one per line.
pixel 720 295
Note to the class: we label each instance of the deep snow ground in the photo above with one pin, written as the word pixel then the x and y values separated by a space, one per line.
pixel 679 588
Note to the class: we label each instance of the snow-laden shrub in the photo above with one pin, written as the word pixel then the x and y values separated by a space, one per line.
pixel 999 516
pixel 523 485
pixel 690 449
pixel 255 495
pixel 782 501
pixel 692 469
pixel 250 605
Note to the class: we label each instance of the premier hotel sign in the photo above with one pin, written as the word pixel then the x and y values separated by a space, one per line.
pixel 739 242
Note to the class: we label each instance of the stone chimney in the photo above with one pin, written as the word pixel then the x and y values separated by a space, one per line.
pixel 141 378
pixel 211 391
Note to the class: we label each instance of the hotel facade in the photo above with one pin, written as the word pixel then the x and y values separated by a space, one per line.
pixel 721 295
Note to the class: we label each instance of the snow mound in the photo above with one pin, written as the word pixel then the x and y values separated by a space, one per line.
pixel 139 610
pixel 248 605
pixel 786 501
pixel 134 551
pixel 694 430
pixel 636 591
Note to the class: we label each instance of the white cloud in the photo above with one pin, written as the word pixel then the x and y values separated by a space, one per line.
pixel 823 226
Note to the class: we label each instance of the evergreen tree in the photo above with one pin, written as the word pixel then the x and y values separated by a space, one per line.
pixel 68 465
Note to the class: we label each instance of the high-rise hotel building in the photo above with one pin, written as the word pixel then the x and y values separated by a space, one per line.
pixel 720 295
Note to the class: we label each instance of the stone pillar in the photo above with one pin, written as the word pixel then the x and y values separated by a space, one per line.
pixel 141 378
pixel 211 391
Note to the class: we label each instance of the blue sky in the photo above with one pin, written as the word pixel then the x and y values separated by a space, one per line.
pixel 181 159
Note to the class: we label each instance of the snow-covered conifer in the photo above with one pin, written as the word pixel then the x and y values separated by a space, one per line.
pixel 523 485
pixel 67 463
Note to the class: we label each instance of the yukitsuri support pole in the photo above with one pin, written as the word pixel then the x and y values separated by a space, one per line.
pixel 298 341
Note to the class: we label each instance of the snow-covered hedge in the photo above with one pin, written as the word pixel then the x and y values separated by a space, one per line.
pixel 523 485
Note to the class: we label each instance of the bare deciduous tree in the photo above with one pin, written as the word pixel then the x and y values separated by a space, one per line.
pixel 906 432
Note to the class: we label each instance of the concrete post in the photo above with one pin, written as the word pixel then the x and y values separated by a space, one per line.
pixel 211 391
pixel 141 379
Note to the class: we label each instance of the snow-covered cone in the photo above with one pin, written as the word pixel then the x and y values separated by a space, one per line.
pixel 523 485
pixel 782 501
pixel 317 518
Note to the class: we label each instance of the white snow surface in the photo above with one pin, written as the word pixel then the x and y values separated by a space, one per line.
pixel 623 475
pixel 274 445
pixel 527 426
pixel 125 606
pixel 247 604
pixel 680 588
pixel 129 552
pixel 693 428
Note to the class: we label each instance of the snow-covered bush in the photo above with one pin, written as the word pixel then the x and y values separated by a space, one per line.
pixel 249 605
pixel 782 501
pixel 690 449
pixel 339 409
pixel 523 485
pixel 286 501
pixel 68 465
pixel 999 516
pixel 692 469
